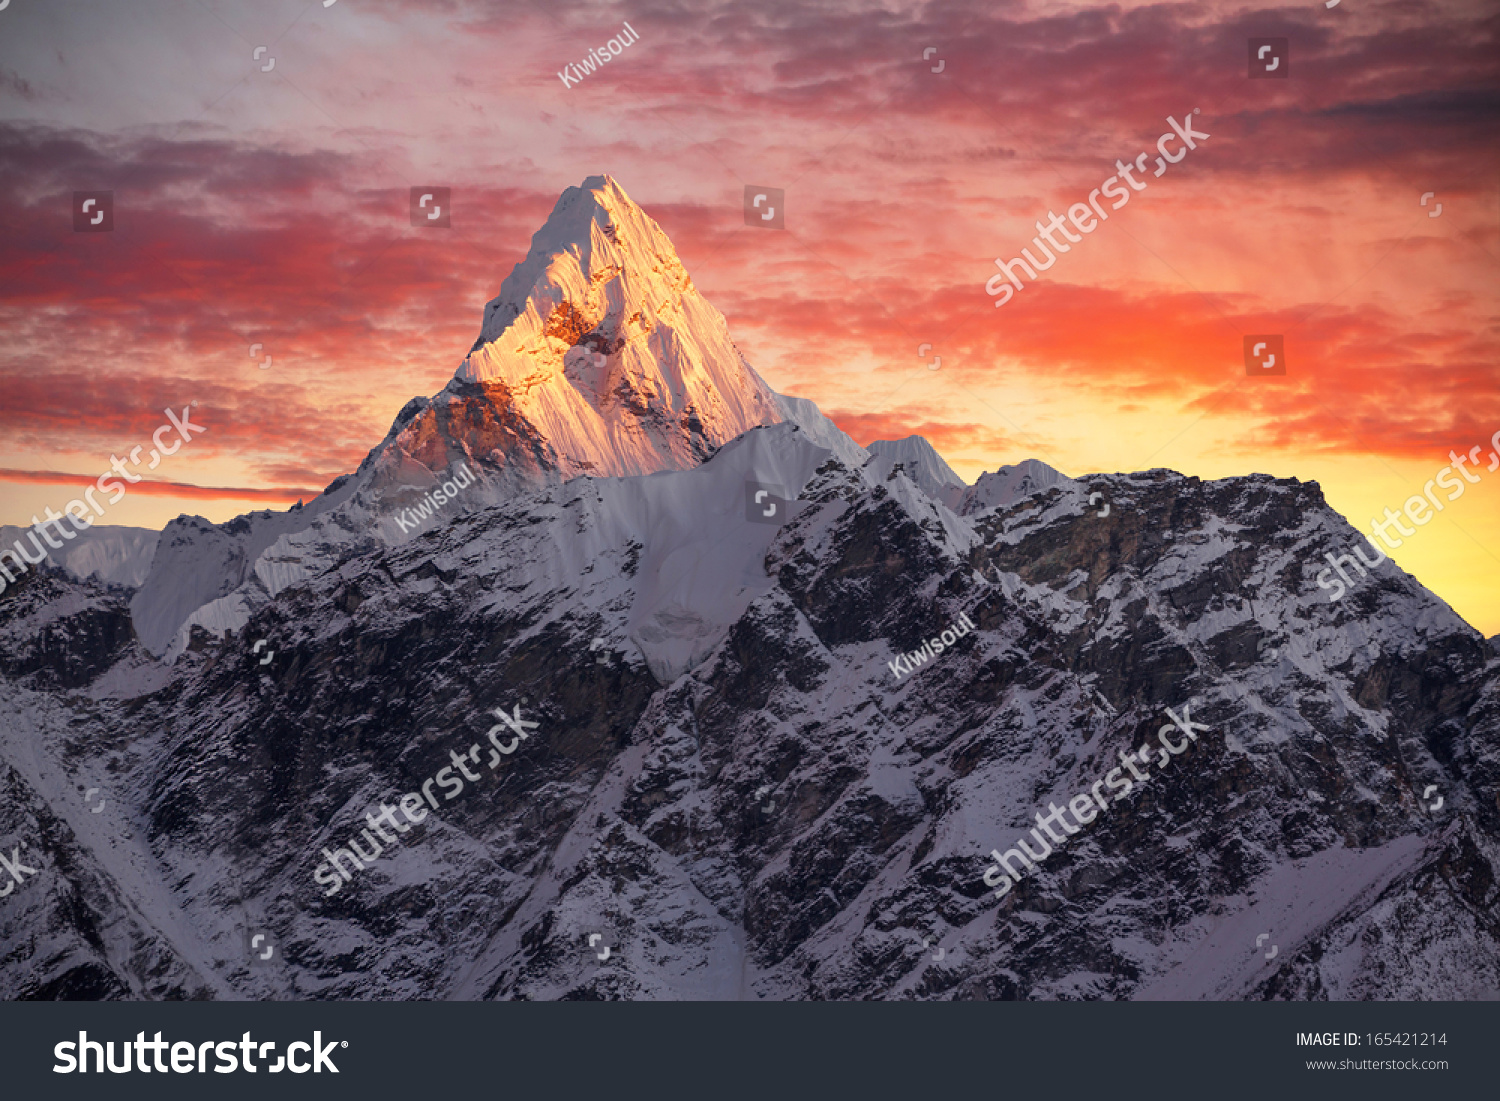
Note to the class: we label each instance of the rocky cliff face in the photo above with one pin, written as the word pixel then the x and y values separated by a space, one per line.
pixel 752 774
pixel 743 799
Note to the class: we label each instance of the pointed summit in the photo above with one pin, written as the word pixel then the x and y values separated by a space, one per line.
pixel 1006 486
pixel 604 354
pixel 598 357
pixel 922 464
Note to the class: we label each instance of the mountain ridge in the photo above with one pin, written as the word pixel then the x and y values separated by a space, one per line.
pixel 670 720
pixel 598 357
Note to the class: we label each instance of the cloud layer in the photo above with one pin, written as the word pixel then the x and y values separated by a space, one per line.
pixel 270 208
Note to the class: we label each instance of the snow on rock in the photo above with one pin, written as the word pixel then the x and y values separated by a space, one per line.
pixel 704 560
pixel 1217 957
pixel 727 782
pixel 1005 486
pixel 923 465
pixel 114 554
pixel 821 430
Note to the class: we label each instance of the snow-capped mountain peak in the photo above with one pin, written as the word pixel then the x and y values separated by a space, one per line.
pixel 599 341
pixel 922 464
pixel 598 357
pixel 1007 485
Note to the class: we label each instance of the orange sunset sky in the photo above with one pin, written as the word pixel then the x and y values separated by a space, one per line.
pixel 269 206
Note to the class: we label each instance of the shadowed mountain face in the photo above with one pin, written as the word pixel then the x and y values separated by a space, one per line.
pixel 771 755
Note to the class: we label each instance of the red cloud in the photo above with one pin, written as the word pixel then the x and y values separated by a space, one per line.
pixel 163 489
